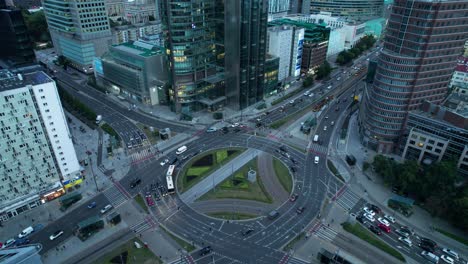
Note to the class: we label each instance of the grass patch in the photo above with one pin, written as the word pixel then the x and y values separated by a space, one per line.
pixel 152 136
pixel 181 242
pixel 133 255
pixel 279 123
pixel 191 174
pixel 141 202
pixel 333 169
pixel 237 186
pixel 293 242
pixel 370 238
pixel 453 236
pixel 283 175
pixel 232 215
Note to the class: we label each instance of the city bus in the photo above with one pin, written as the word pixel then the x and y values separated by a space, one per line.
pixel 170 183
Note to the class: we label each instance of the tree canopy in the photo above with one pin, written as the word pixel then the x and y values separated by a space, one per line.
pixel 37 26
pixel 323 71
pixel 435 186
pixel 346 56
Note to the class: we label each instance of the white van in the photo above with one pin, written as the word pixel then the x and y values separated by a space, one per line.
pixel 28 230
pixel 316 138
pixel 181 150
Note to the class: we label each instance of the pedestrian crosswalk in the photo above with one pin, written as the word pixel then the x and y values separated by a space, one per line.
pixel 141 155
pixel 348 199
pixel 325 232
pixel 184 259
pixel 115 196
pixel 317 149
pixel 144 225
pixel 297 261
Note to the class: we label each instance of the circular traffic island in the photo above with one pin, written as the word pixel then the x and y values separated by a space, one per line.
pixel 245 184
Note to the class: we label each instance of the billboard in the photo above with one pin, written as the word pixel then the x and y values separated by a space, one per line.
pixel 300 43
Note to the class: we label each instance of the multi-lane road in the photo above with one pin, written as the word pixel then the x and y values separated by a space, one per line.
pixel 312 182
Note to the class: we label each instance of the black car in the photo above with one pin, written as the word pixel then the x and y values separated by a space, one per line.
pixel 134 183
pixel 205 250
pixel 293 160
pixel 375 230
pixel 300 210
pixel 428 242
pixel 293 169
pixel 427 247
pixel 375 208
pixel 174 161
pixel 360 219
pixel 247 232
pixel 283 148
pixel 225 130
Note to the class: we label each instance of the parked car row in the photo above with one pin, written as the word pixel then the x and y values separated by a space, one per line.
pixel 378 223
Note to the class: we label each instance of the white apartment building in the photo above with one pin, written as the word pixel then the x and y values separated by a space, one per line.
pixel 344 33
pixel 286 43
pixel 37 154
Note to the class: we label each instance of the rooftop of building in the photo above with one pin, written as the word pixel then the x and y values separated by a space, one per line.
pixel 304 24
pixel 454 112
pixel 140 48
pixel 10 80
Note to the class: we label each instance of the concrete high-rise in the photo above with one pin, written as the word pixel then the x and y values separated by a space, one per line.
pixel 354 9
pixel 422 42
pixel 37 154
pixel 79 29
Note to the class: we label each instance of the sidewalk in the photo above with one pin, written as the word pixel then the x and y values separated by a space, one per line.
pixel 218 176
pixel 376 192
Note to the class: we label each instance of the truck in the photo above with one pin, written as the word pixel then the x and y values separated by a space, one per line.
pixel 98 119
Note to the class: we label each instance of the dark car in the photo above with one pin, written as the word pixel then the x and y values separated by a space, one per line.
pixel 22 241
pixel 247 232
pixel 293 170
pixel 293 197
pixel 134 183
pixel 360 219
pixel 205 250
pixel 375 230
pixel 300 210
pixel 375 208
pixel 293 160
pixel 427 247
pixel 225 130
pixel 174 161
pixel 428 242
pixel 92 205
pixel 283 148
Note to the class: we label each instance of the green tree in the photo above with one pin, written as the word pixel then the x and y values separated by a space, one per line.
pixel 63 61
pixel 408 175
pixel 308 81
pixel 323 71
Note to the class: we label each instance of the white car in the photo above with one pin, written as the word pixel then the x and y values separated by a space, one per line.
pixel 164 162
pixel 369 217
pixel 447 259
pixel 56 234
pixel 390 218
pixel 316 159
pixel 383 221
pixel 9 242
pixel 368 211
pixel 235 125
pixel 406 241
pixel 325 128
pixel 291 102
pixel 451 253
pixel 311 95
